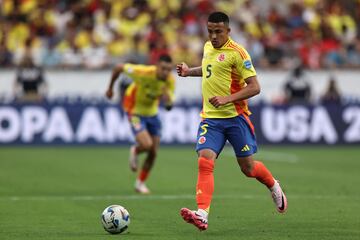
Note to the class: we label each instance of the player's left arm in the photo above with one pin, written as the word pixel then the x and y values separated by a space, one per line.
pixel 247 71
pixel 252 88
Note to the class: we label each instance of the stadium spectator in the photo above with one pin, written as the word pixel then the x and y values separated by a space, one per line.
pixel 229 79
pixel 141 102
pixel 52 57
pixel 297 87
pixel 137 54
pixel 332 94
pixel 309 51
pixel 33 48
pixel 159 48
pixel 353 54
pixel 95 55
pixel 30 85
pixel 183 52
pixel 331 49
pixel 273 50
pixel 278 32
pixel 5 55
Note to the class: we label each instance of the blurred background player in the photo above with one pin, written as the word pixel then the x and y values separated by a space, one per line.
pixel 141 103
pixel 228 80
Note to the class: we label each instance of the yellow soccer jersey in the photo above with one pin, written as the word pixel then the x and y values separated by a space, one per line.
pixel 143 95
pixel 224 71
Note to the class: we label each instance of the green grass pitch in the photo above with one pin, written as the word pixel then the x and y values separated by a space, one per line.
pixel 59 193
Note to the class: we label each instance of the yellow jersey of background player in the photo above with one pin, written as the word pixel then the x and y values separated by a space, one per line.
pixel 141 103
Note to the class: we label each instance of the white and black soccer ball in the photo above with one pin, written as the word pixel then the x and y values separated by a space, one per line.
pixel 115 219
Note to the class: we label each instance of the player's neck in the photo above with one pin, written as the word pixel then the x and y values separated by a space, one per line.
pixel 226 42
pixel 160 79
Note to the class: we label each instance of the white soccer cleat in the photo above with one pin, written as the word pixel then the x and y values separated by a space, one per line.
pixel 140 187
pixel 133 159
pixel 195 218
pixel 278 197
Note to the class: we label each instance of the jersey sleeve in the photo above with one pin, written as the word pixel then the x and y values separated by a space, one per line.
pixel 135 70
pixel 244 65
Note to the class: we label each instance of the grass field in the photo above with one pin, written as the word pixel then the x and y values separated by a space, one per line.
pixel 59 193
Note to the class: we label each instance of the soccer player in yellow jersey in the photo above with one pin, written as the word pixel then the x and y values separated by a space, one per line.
pixel 228 80
pixel 141 103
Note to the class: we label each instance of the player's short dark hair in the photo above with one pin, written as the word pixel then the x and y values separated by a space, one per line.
pixel 165 58
pixel 217 17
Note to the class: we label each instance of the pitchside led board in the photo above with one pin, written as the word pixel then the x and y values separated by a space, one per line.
pixel 106 124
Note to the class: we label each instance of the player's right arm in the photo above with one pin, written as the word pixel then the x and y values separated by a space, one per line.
pixel 183 70
pixel 251 89
pixel 115 74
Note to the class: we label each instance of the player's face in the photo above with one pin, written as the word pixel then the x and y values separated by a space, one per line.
pixel 163 70
pixel 218 33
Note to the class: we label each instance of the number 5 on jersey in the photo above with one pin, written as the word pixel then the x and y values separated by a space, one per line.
pixel 208 70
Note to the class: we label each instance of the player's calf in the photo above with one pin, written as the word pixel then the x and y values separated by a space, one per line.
pixel 133 158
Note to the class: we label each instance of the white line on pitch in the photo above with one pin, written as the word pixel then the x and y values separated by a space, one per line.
pixel 270 156
pixel 160 197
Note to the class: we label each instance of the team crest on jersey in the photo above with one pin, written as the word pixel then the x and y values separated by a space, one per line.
pixel 221 57
pixel 247 64
pixel 202 140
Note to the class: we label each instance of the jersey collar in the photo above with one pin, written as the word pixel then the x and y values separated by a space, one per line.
pixel 227 43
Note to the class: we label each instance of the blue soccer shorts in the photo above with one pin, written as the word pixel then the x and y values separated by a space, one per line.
pixel 239 131
pixel 139 123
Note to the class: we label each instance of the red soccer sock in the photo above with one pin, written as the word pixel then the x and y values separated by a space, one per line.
pixel 143 175
pixel 262 174
pixel 205 183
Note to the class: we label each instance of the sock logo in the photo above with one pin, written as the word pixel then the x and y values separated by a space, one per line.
pixel 245 148
pixel 198 192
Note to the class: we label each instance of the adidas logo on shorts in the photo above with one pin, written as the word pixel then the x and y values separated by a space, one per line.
pixel 245 148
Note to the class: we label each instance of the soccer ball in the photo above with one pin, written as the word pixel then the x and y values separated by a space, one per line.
pixel 115 219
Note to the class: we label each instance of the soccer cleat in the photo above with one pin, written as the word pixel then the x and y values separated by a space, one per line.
pixel 140 187
pixel 279 197
pixel 133 159
pixel 194 218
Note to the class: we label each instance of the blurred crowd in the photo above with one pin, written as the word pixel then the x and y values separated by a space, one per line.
pixel 96 34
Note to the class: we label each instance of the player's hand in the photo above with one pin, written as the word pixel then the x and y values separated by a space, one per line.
pixel 109 93
pixel 182 69
pixel 219 101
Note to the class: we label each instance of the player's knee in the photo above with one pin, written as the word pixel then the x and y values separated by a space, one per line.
pixel 208 154
pixel 247 165
pixel 248 169
pixel 206 165
pixel 147 145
